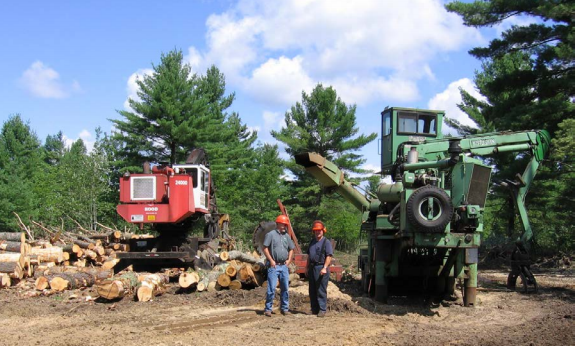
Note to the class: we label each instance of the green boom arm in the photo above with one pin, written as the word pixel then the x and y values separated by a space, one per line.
pixel 434 154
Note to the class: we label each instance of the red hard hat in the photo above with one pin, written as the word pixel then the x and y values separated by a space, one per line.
pixel 282 219
pixel 318 226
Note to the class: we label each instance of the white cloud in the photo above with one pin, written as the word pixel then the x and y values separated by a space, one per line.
pixel 133 88
pixel 43 81
pixel 275 51
pixel 279 81
pixel 272 120
pixel 85 136
pixel 449 98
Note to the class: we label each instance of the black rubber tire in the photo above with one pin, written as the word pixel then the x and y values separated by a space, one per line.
pixel 441 200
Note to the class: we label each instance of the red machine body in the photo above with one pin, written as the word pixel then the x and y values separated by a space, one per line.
pixel 167 195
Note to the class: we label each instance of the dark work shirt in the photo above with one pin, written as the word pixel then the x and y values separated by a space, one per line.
pixel 315 250
pixel 279 245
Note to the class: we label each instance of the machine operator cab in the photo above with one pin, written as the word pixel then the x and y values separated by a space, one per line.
pixel 201 182
pixel 403 126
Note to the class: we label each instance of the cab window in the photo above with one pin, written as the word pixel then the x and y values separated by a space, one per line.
pixel 417 123
pixel 386 124
pixel 194 175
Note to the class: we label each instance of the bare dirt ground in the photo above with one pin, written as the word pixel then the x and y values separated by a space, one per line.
pixel 235 318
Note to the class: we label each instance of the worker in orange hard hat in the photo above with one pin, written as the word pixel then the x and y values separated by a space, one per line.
pixel 278 249
pixel 319 253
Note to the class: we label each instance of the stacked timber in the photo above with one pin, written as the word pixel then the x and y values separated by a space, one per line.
pixel 14 260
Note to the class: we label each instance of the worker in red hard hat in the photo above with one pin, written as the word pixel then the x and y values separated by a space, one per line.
pixel 319 253
pixel 278 249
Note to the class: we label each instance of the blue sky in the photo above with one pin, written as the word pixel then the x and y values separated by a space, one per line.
pixel 70 65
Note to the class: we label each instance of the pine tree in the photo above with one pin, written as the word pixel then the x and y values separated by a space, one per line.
pixel 166 124
pixel 528 79
pixel 324 124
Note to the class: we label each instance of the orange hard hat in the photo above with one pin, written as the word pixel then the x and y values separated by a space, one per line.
pixel 282 219
pixel 318 226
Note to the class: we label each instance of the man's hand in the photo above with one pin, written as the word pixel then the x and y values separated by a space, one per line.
pixel 272 263
pixel 323 271
pixel 288 262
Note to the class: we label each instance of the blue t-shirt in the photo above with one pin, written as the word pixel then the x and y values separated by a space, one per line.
pixel 316 257
pixel 279 245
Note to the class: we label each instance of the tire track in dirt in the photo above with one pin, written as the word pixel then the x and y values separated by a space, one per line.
pixel 212 322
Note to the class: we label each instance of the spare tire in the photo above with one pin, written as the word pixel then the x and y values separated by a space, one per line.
pixel 429 209
pixel 260 233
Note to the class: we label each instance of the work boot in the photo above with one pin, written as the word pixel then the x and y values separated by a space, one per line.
pixel 268 313
pixel 286 312
pixel 321 314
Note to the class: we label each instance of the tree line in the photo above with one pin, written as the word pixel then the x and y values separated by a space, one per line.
pixel 526 78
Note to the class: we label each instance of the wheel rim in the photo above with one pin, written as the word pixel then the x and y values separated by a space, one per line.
pixel 430 209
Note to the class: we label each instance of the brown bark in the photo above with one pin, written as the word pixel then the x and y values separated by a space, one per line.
pixel 13 236
pixel 12 246
pixel 84 244
pixel 71 281
pixel 12 268
pixel 71 248
pixel 244 257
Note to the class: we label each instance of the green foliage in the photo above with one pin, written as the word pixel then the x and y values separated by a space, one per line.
pixel 21 166
pixel 166 123
pixel 249 194
pixel 324 124
pixel 527 79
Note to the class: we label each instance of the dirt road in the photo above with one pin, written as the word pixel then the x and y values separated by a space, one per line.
pixel 235 318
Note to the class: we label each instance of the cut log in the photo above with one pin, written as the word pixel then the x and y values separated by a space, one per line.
pixel 71 248
pixel 202 285
pixel 43 282
pixel 71 281
pixel 247 258
pixel 12 246
pixel 224 256
pixel 246 275
pixel 13 236
pixel 235 285
pixel 117 287
pixel 110 263
pixel 231 271
pixel 14 269
pixel 84 244
pixel 224 280
pixel 151 285
pixel 13 257
pixel 188 279
pixel 99 249
pixel 90 254
pixel 5 280
pixel 52 254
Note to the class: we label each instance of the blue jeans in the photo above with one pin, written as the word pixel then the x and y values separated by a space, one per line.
pixel 281 272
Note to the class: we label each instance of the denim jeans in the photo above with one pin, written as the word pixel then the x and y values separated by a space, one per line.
pixel 281 272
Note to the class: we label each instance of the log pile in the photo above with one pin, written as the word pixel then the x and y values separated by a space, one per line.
pixel 68 261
